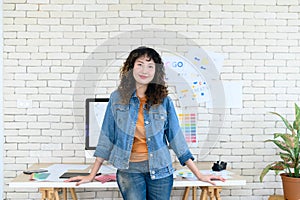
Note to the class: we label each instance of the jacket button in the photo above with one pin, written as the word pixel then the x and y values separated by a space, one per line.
pixel 149 139
pixel 153 177
pixel 153 172
pixel 146 122
pixel 151 155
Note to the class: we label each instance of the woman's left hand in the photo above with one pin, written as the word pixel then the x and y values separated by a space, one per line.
pixel 206 178
pixel 211 178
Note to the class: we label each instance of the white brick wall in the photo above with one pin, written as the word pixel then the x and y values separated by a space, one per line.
pixel 47 59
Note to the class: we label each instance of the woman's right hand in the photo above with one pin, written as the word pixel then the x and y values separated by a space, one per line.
pixel 91 176
pixel 80 179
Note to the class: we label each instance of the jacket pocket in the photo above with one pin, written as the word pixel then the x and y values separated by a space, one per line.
pixel 121 116
pixel 158 120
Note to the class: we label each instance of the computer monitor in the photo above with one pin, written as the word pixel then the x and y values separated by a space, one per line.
pixel 94 114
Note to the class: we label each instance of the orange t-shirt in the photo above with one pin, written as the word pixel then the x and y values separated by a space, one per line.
pixel 139 151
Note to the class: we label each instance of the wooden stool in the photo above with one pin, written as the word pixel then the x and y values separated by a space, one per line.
pixel 276 197
pixel 213 192
pixel 53 193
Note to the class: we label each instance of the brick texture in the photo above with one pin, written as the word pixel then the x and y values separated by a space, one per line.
pixel 55 56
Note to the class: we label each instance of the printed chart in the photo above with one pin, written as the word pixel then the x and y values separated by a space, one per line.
pixel 188 123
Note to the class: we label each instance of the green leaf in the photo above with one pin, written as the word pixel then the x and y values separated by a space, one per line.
pixel 287 138
pixel 264 172
pixel 296 125
pixel 297 141
pixel 289 144
pixel 286 157
pixel 280 144
pixel 276 166
pixel 297 120
pixel 287 124
pixel 297 174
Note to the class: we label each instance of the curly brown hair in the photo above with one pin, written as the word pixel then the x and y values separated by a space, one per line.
pixel 156 90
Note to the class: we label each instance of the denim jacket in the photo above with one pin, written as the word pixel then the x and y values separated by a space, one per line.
pixel 162 130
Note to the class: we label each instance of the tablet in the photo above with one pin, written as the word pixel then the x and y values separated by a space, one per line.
pixel 73 174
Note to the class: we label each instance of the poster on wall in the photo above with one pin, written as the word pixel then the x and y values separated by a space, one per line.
pixel 196 80
pixel 208 62
pixel 191 89
pixel 191 86
pixel 192 76
pixel 233 95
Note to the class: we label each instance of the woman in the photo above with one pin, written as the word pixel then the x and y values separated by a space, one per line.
pixel 139 126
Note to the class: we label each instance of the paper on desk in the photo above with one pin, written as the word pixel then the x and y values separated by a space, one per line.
pixel 56 170
pixel 186 173
pixel 224 173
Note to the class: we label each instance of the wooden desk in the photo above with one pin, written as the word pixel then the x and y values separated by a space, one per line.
pixel 50 190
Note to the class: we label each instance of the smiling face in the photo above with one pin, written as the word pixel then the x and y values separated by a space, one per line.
pixel 143 71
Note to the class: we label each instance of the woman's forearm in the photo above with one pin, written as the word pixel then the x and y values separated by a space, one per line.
pixel 191 165
pixel 97 164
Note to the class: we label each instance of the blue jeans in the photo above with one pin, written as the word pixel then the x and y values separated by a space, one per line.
pixel 135 183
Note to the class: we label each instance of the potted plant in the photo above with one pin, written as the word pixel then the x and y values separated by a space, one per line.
pixel 288 143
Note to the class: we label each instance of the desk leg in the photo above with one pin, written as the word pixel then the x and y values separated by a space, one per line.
pixel 73 194
pixel 50 193
pixel 65 193
pixel 204 191
pixel 213 192
pixel 186 193
pixel 217 191
pixel 56 194
pixel 44 192
pixel 194 193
